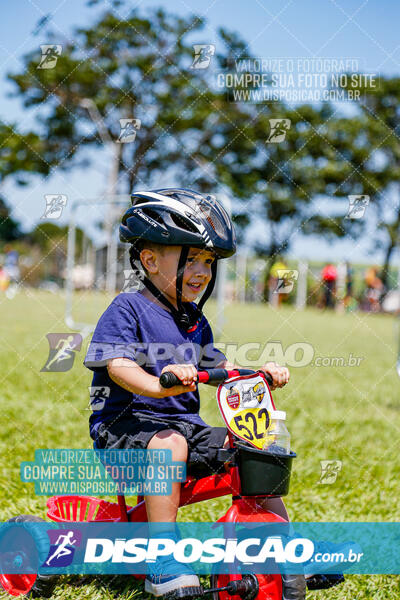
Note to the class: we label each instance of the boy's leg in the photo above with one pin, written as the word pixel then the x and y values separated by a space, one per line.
pixel 167 576
pixel 293 585
pixel 164 508
pixel 275 505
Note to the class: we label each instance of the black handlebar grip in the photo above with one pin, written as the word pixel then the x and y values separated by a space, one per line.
pixel 168 380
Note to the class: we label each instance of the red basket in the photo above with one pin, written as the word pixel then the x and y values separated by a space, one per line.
pixel 82 508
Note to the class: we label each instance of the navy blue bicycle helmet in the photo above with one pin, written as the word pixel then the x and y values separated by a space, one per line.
pixel 179 217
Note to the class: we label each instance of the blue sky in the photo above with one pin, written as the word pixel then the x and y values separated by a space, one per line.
pixel 367 30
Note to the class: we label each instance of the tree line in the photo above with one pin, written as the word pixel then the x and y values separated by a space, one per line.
pixel 191 133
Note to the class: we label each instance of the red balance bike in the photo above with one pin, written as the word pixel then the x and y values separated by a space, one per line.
pixel 252 474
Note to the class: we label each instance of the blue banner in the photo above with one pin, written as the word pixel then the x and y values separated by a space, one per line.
pixel 118 548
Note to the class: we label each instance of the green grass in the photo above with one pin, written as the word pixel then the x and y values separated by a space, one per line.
pixel 346 413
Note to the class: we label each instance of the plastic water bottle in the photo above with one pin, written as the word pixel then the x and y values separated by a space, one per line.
pixel 277 437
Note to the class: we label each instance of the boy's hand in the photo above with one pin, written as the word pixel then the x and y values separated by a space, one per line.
pixel 188 376
pixel 280 375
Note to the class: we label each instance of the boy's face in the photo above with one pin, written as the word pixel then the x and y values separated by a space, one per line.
pixel 162 266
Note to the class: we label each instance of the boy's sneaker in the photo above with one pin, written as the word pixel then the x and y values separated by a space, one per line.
pixel 312 567
pixel 323 582
pixel 293 587
pixel 172 580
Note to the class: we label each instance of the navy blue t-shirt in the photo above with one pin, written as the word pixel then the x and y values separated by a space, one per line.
pixel 134 327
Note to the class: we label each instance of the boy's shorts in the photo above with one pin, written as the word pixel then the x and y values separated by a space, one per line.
pixel 203 442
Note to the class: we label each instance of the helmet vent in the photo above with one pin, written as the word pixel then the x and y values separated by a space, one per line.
pixel 209 219
pixel 138 200
pixel 183 223
pixel 153 215
pixel 216 225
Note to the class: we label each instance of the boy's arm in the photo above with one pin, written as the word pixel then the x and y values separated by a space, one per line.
pixel 130 376
pixel 280 375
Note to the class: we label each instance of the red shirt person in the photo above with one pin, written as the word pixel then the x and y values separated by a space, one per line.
pixel 328 278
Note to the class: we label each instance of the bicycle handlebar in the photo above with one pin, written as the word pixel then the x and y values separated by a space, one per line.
pixel 169 380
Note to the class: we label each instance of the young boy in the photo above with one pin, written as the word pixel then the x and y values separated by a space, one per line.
pixel 178 236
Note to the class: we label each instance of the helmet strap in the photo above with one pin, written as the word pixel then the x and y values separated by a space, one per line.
pixel 210 287
pixel 160 296
pixel 186 317
pixel 179 314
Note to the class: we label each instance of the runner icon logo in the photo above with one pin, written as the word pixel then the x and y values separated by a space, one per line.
pixel 50 54
pixel 62 351
pixel 329 471
pixel 129 127
pixel 202 55
pixel 357 206
pixel 279 129
pixel 54 206
pixel 63 543
pixel 98 396
pixel 286 281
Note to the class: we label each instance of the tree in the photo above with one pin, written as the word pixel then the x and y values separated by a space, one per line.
pixel 279 183
pixel 21 155
pixel 137 68
pixel 9 228
pixel 49 236
pixel 369 141
pixel 283 185
pixel 192 132
pixel 380 109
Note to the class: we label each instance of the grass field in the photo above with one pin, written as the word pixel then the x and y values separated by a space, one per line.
pixel 347 413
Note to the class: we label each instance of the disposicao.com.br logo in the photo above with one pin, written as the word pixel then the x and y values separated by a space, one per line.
pixel 129 548
pixel 192 550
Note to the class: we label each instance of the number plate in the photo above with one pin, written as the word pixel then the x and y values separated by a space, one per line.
pixel 245 403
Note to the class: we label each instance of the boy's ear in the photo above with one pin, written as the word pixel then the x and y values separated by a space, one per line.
pixel 149 260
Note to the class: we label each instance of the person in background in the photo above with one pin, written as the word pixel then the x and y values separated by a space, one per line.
pixel 11 264
pixel 328 280
pixel 373 289
pixel 4 279
pixel 350 303
pixel 349 280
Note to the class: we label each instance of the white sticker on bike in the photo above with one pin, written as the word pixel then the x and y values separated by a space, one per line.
pixel 245 403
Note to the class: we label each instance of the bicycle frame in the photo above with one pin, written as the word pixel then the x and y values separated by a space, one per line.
pixel 207 488
pixel 243 509
pixel 196 490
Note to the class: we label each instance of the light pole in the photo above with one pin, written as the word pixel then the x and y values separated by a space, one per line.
pixel 116 149
pixel 222 274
